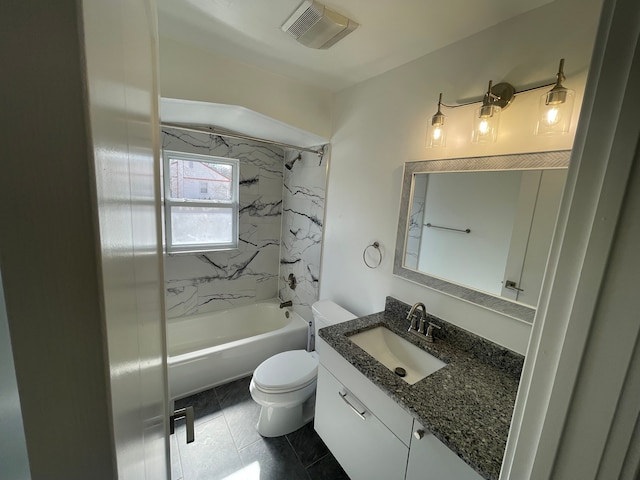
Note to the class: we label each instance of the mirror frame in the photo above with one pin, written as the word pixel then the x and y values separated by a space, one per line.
pixel 520 161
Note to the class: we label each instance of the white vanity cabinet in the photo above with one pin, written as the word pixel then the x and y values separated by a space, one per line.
pixel 430 459
pixel 370 434
pixel 362 444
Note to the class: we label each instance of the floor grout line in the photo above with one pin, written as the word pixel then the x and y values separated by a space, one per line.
pixel 223 413
pixel 318 460
pixel 294 451
pixel 226 422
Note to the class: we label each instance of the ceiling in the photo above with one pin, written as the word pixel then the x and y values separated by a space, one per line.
pixel 391 33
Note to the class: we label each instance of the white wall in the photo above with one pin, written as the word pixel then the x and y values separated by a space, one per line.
pixel 380 124
pixel 190 73
pixel 84 310
pixel 48 246
pixel 122 103
pixel 461 200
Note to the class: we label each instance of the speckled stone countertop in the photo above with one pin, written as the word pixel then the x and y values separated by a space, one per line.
pixel 467 404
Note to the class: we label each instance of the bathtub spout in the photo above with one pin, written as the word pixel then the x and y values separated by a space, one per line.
pixel 288 303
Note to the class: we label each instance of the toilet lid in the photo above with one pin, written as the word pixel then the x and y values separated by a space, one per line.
pixel 286 371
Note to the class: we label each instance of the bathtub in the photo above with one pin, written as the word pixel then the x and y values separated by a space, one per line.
pixel 210 349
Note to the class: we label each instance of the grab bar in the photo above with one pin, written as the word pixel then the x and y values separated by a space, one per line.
pixel 466 230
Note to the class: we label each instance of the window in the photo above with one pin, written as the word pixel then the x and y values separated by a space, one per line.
pixel 201 202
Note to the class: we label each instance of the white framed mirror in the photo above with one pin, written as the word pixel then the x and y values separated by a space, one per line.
pixel 480 228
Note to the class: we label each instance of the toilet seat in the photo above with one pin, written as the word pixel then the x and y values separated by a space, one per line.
pixel 286 372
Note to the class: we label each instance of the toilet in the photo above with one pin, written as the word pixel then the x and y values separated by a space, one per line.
pixel 285 384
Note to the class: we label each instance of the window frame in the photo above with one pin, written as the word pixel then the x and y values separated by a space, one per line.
pixel 170 202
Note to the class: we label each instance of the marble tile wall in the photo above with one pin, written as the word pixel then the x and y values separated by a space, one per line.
pixel 302 228
pixel 220 280
pixel 414 234
pixel 282 197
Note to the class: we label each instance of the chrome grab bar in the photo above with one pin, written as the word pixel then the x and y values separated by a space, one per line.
pixel 466 230
pixel 343 396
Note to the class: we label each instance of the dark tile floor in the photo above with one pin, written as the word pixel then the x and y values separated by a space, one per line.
pixel 228 447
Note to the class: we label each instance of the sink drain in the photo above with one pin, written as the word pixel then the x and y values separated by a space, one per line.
pixel 401 372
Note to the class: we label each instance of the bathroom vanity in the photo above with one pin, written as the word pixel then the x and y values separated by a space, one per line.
pixel 452 424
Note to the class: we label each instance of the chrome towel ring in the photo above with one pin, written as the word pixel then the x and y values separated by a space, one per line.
pixel 376 246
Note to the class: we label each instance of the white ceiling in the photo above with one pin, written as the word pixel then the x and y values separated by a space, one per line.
pixel 391 33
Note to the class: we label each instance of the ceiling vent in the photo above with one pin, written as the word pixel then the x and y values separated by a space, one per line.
pixel 315 26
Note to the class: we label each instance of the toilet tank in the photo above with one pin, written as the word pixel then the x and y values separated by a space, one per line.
pixel 326 312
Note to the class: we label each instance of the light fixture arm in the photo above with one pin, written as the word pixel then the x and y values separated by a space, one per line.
pixel 560 75
pixel 558 93
pixel 438 117
pixel 489 97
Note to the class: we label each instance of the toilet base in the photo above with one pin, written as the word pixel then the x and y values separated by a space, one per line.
pixel 278 421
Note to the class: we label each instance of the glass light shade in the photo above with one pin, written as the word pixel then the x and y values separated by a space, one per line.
pixel 436 132
pixel 555 108
pixel 485 124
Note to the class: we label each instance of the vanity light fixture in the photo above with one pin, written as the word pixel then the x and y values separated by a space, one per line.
pixel 487 117
pixel 555 107
pixel 437 131
pixel 554 117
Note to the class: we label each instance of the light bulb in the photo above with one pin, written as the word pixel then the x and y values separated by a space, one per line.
pixel 555 108
pixel 485 124
pixel 483 127
pixel 555 116
pixel 551 118
pixel 437 130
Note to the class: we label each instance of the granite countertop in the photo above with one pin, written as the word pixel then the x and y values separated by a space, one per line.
pixel 467 404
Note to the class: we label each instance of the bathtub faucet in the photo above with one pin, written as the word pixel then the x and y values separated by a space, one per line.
pixel 288 303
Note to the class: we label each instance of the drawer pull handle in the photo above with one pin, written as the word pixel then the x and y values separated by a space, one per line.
pixel 343 396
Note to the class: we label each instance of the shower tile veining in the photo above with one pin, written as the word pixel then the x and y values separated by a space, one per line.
pixel 227 445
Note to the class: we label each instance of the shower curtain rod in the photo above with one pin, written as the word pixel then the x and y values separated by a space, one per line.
pixel 221 133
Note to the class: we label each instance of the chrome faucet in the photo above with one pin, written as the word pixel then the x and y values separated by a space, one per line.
pixel 414 321
pixel 288 303
pixel 418 325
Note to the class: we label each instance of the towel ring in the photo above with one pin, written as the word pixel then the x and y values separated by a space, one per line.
pixel 375 245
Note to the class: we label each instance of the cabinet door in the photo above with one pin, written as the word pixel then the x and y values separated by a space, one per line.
pixel 365 448
pixel 430 459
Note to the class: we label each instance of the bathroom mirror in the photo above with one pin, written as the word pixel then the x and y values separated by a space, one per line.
pixel 480 228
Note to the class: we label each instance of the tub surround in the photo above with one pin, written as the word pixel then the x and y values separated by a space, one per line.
pixel 303 200
pixel 224 279
pixel 467 404
pixel 280 231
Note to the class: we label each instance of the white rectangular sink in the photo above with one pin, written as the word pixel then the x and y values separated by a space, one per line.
pixel 395 352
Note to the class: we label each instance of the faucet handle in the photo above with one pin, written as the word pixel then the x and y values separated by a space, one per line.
pixel 430 328
pixel 414 321
pixel 423 321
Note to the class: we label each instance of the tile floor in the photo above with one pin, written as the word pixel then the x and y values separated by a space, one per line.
pixel 227 445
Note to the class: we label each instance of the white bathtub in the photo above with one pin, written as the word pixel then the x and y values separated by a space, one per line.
pixel 210 349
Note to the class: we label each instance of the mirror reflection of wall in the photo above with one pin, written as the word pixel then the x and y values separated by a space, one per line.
pixel 481 228
pixel 510 215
